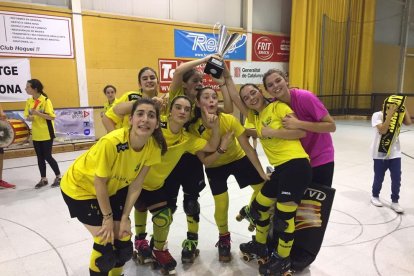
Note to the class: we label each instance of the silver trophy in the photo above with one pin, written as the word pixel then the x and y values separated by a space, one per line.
pixel 225 41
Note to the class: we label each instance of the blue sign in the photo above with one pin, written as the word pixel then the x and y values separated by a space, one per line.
pixel 189 44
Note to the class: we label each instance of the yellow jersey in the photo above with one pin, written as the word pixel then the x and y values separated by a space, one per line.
pixel 178 144
pixel 42 129
pixel 227 123
pixel 278 151
pixel 111 157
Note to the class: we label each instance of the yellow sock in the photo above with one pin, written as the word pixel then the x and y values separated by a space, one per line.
pixel 140 219
pixel 221 212
pixel 256 189
pixel 285 245
pixel 262 231
pixel 192 225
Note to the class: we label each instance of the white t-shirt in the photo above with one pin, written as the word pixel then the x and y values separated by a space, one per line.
pixel 395 147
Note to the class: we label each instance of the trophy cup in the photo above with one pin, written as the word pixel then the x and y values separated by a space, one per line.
pixel 215 66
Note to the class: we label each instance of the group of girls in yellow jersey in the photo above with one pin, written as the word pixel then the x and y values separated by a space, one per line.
pixel 195 131
pixel 39 110
pixel 102 185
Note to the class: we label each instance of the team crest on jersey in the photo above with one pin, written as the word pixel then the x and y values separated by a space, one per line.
pixel 201 129
pixel 137 167
pixel 122 146
pixel 133 97
pixel 163 124
pixel 267 121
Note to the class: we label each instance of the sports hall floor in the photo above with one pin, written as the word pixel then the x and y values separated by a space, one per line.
pixel 37 236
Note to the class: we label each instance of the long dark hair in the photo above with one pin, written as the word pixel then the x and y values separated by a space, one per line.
pixel 197 110
pixel 36 84
pixel 157 134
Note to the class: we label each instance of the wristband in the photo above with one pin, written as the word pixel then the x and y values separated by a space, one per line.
pixel 107 216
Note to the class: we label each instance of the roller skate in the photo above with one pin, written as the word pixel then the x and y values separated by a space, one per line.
pixel 224 248
pixel 143 252
pixel 190 251
pixel 276 266
pixel 164 261
pixel 250 215
pixel 254 250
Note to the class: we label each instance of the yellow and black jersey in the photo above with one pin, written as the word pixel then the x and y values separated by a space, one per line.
pixel 108 105
pixel 278 151
pixel 42 129
pixel 178 144
pixel 227 123
pixel 112 157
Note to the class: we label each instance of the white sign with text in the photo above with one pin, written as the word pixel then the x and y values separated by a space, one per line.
pixel 33 35
pixel 14 74
pixel 252 72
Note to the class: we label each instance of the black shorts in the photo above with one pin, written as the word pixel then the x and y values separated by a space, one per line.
pixel 1 150
pixel 88 212
pixel 148 198
pixel 242 169
pixel 189 174
pixel 289 181
pixel 323 174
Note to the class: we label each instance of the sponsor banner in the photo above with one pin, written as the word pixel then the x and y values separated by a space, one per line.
pixel 14 74
pixel 71 125
pixel 270 48
pixel 189 44
pixel 74 125
pixel 33 35
pixel 166 69
pixel 252 72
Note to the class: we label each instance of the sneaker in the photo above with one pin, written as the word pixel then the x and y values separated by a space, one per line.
pixel 56 183
pixel 376 201
pixel 42 182
pixel 397 208
pixel 6 185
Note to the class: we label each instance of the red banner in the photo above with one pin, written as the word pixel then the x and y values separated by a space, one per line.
pixel 270 48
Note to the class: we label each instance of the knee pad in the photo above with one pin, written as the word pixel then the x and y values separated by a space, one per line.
pixel 192 208
pixel 123 251
pixel 162 218
pixel 108 258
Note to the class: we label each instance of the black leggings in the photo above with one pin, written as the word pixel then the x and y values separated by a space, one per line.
pixel 43 151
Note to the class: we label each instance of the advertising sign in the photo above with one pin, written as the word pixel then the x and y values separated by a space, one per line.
pixel 14 74
pixel 252 72
pixel 33 35
pixel 188 44
pixel 270 48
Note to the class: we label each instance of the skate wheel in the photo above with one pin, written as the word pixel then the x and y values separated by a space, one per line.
pixel 197 252
pixel 134 255
pixel 140 261
pixel 288 273
pixel 251 227
pixel 246 258
pixel 239 217
pixel 261 262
